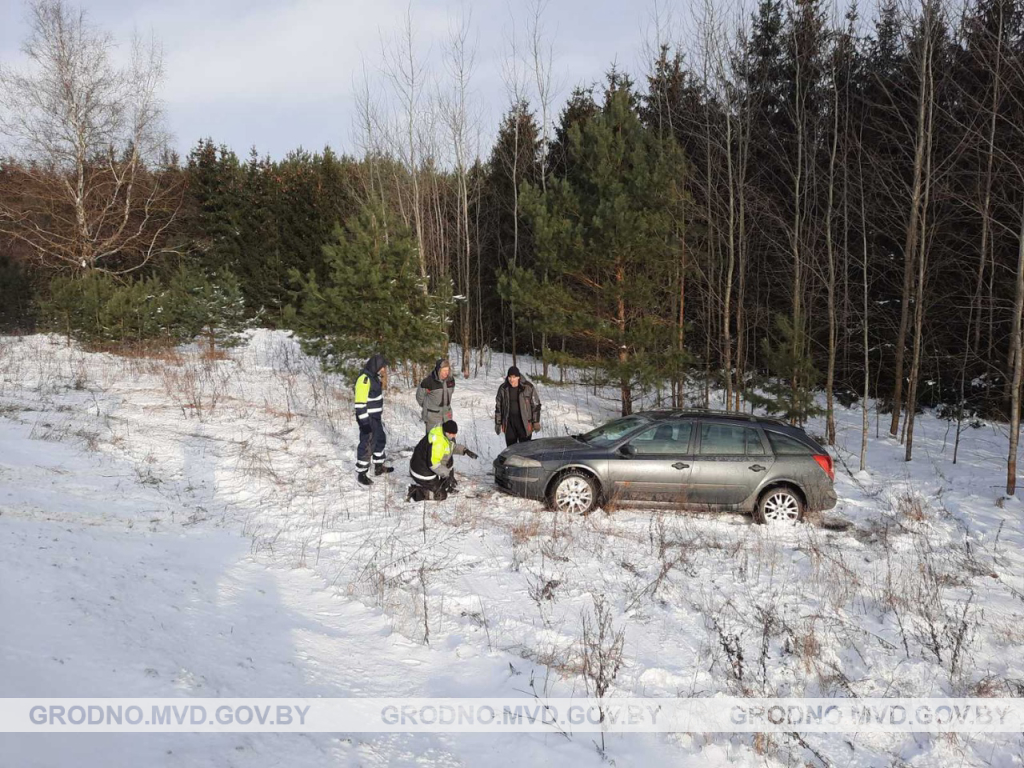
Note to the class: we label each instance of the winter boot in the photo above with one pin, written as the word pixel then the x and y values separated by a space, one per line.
pixel 416 493
pixel 382 469
pixel 363 479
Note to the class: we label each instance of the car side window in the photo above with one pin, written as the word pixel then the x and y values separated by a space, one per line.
pixel 754 445
pixel 783 445
pixel 664 438
pixel 730 440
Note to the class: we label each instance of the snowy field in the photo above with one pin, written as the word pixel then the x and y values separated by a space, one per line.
pixel 180 527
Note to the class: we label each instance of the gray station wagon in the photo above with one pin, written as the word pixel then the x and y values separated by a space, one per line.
pixel 697 459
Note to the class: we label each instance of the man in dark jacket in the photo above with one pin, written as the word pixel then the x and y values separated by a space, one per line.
pixel 369 405
pixel 516 408
pixel 434 395
pixel 432 466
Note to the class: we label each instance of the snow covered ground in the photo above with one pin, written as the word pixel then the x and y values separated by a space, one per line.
pixel 181 527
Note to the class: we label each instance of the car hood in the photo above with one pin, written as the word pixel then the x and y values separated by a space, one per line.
pixel 545 445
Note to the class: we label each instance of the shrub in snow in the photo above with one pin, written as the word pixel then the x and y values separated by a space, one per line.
pixel 98 308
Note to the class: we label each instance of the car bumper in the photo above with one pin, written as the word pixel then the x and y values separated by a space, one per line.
pixel 820 500
pixel 528 482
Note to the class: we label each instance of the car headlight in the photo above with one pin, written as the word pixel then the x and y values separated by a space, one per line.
pixel 521 461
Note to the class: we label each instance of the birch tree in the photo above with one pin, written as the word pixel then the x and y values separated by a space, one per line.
pixel 88 139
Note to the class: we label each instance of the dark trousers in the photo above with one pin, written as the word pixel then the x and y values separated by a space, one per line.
pixel 515 432
pixel 428 489
pixel 372 442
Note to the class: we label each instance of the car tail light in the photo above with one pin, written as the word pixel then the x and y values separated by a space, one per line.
pixel 825 462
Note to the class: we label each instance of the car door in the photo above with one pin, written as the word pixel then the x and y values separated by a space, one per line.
pixel 655 464
pixel 731 461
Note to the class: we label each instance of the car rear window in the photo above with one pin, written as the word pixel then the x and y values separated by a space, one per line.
pixel 729 440
pixel 783 445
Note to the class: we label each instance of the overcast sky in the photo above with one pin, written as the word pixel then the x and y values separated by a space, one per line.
pixel 279 74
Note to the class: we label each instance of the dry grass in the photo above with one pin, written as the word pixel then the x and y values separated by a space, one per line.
pixel 910 506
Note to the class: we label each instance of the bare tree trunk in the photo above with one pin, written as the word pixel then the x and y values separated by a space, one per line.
pixel 1018 365
pixel 514 86
pixel 923 250
pixel 865 320
pixel 626 389
pixel 910 244
pixel 741 295
pixel 796 235
pixel 460 62
pixel 730 264
pixel 986 209
pixel 830 284
pixel 743 133
pixel 542 59
pixel 406 74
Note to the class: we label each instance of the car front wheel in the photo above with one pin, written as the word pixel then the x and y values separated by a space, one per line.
pixel 780 506
pixel 574 492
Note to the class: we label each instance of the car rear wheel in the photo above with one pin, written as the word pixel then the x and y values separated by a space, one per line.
pixel 575 493
pixel 779 506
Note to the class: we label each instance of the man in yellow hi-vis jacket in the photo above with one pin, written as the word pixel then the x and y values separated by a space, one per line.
pixel 432 466
pixel 369 405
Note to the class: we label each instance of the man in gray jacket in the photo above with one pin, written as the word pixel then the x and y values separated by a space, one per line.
pixel 516 408
pixel 434 395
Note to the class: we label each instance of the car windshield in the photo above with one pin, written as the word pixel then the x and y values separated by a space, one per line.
pixel 609 433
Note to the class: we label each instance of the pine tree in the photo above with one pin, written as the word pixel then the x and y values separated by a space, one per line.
pixel 96 308
pixel 609 233
pixel 371 300
pixel 210 308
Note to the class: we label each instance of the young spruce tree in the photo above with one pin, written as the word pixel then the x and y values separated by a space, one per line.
pixel 789 391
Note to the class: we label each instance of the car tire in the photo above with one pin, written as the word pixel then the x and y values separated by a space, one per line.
pixel 574 492
pixel 780 506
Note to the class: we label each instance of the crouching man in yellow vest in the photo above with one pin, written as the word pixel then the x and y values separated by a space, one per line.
pixel 432 465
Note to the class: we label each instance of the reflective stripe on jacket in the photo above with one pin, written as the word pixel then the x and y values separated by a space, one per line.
pixel 433 454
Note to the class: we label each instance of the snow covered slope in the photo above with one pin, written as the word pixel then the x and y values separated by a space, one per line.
pixel 181 527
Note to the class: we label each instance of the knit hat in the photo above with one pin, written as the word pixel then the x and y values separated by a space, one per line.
pixel 513 371
pixel 450 427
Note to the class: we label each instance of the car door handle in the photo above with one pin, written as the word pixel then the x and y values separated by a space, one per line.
pixel 758 468
pixel 680 465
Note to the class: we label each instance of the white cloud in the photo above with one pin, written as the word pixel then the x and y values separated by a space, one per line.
pixel 280 74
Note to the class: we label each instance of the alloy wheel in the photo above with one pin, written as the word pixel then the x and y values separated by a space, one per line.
pixel 781 507
pixel 574 494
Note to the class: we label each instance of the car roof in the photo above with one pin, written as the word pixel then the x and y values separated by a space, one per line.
pixel 707 412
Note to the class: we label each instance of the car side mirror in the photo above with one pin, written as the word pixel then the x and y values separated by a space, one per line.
pixel 627 450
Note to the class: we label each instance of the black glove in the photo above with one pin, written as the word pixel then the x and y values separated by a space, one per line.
pixel 471 454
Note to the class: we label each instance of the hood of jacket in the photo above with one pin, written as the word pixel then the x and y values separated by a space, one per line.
pixel 375 364
pixel 437 369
